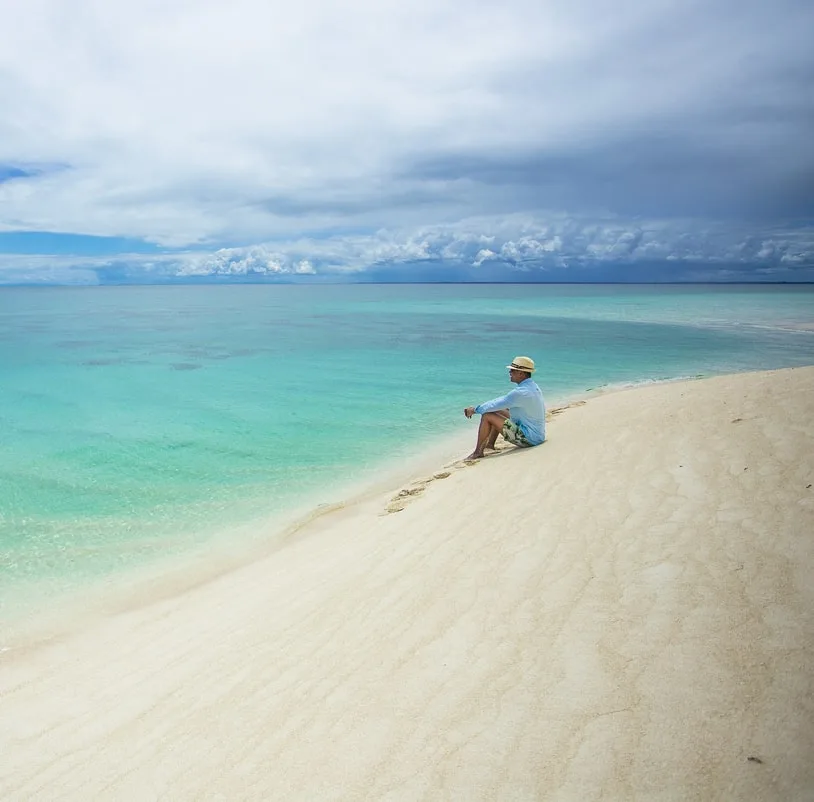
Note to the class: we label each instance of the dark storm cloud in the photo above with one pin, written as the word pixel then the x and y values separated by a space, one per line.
pixel 652 174
pixel 708 112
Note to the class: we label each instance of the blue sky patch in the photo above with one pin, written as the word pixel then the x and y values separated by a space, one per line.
pixel 8 172
pixel 57 244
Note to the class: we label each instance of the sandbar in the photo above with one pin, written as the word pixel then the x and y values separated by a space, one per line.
pixel 623 613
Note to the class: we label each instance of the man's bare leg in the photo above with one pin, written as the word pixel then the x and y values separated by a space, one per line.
pixel 490 444
pixel 491 424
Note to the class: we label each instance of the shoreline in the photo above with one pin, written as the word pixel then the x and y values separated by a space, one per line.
pixel 625 612
pixel 229 550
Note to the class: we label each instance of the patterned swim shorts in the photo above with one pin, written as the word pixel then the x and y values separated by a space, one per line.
pixel 514 434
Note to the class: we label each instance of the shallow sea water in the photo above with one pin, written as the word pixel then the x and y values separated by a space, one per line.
pixel 139 421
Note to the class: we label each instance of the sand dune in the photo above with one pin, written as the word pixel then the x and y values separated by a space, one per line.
pixel 626 612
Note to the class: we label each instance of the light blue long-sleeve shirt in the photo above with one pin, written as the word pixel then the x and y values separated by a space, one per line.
pixel 526 408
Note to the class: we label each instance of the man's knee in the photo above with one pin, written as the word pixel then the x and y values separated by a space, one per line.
pixel 495 419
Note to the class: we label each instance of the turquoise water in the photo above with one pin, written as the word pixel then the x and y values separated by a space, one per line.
pixel 138 421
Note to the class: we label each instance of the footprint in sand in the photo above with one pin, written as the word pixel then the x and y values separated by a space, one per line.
pixel 407 494
pixel 559 410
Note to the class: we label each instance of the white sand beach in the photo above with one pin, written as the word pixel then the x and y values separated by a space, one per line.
pixel 623 613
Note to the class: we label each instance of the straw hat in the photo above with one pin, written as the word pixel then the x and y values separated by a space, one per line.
pixel 523 363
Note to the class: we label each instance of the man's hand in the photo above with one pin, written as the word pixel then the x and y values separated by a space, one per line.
pixel 469 412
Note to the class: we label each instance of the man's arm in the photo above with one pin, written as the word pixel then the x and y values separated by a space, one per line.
pixel 504 402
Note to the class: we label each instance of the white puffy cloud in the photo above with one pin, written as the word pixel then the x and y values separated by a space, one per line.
pixel 515 243
pixel 483 255
pixel 236 261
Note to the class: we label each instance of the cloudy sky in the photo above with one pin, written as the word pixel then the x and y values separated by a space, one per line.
pixel 521 140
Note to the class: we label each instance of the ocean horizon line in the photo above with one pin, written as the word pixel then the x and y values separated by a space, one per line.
pixel 215 282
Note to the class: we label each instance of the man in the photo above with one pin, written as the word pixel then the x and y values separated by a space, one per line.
pixel 519 415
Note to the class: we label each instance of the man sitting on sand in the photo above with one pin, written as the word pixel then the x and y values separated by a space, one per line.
pixel 519 415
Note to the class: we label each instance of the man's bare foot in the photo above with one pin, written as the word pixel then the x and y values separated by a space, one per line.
pixel 474 455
